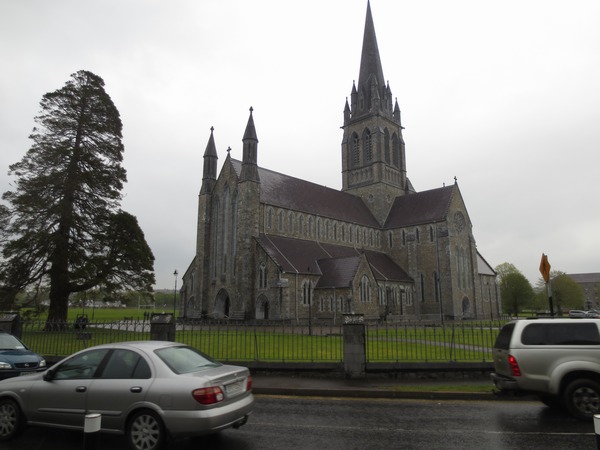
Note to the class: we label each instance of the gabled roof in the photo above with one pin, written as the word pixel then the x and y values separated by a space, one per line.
pixel 281 190
pixel 338 272
pixel 336 264
pixel 385 269
pixel 420 207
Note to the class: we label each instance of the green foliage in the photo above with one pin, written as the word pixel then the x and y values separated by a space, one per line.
pixel 63 227
pixel 505 269
pixel 566 293
pixel 516 293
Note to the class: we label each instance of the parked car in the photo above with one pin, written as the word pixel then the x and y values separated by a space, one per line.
pixel 575 313
pixel 556 359
pixel 16 359
pixel 147 390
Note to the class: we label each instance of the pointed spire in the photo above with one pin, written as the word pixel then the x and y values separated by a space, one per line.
pixel 250 132
pixel 397 114
pixel 211 149
pixel 346 112
pixel 250 150
pixel 209 169
pixel 370 62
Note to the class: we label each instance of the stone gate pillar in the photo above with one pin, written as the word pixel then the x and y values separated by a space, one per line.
pixel 355 359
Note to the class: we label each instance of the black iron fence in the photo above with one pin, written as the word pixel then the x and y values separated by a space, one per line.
pixel 280 342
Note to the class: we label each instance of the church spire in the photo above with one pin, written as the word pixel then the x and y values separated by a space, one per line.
pixel 371 71
pixel 250 147
pixel 209 174
pixel 373 156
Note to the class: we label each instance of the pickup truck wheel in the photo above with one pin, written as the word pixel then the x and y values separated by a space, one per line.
pixel 582 398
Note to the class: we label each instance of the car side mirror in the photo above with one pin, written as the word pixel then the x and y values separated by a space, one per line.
pixel 49 375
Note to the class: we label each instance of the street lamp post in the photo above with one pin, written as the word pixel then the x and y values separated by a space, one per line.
pixel 175 293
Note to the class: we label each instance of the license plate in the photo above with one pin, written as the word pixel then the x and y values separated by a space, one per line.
pixel 235 388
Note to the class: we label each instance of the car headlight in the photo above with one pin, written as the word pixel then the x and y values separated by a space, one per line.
pixel 43 363
pixel 5 365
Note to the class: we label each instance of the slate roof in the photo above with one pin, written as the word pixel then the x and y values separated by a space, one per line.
pixel 293 193
pixel 593 277
pixel 336 264
pixel 420 207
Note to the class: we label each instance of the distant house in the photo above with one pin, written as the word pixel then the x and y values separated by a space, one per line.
pixel 590 283
pixel 272 246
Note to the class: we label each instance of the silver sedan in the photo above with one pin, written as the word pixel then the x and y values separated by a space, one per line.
pixel 147 390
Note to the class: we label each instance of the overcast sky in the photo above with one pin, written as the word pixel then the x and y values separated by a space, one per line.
pixel 503 95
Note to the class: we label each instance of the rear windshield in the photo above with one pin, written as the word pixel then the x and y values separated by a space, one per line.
pixel 503 339
pixel 185 359
pixel 561 334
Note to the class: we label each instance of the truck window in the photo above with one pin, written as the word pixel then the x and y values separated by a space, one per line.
pixel 561 334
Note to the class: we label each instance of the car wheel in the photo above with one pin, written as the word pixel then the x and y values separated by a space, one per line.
pixel 582 398
pixel 145 431
pixel 11 420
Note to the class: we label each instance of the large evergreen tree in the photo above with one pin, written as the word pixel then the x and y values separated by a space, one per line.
pixel 64 225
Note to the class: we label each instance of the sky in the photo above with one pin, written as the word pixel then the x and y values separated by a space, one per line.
pixel 504 96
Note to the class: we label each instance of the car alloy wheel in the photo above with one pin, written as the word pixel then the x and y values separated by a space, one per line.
pixel 10 419
pixel 145 431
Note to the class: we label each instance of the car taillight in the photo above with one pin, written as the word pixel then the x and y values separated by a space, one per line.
pixel 208 396
pixel 249 383
pixel 514 366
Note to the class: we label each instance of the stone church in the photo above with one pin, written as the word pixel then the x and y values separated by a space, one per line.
pixel 272 246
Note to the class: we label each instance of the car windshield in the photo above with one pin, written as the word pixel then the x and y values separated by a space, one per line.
pixel 9 342
pixel 185 359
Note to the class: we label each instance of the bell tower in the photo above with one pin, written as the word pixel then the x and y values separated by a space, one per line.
pixel 373 155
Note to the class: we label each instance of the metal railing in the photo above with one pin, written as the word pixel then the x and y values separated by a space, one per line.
pixel 281 342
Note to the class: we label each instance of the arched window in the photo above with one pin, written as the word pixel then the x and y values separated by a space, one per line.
pixel 365 290
pixel 270 218
pixel 214 238
pixel 234 228
pixel 386 145
pixel 436 286
pixel 306 293
pixel 280 220
pixel 395 150
pixel 431 234
pixel 290 222
pixel 225 229
pixel 368 145
pixel 262 276
pixel 355 150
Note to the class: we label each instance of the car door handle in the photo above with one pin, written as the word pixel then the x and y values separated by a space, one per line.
pixel 136 389
pixel 80 389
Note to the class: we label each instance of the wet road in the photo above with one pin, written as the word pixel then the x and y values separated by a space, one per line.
pixel 309 423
